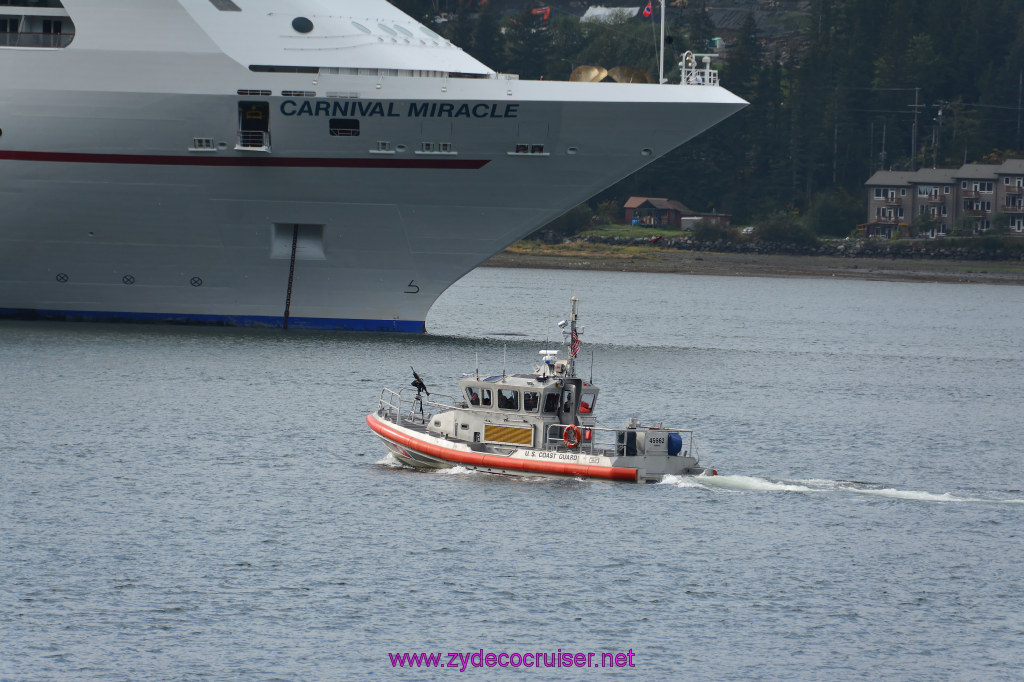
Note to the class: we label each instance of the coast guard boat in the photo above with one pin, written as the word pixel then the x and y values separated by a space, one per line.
pixel 326 164
pixel 536 424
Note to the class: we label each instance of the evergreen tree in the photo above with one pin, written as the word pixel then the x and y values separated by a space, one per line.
pixel 488 43
pixel 702 29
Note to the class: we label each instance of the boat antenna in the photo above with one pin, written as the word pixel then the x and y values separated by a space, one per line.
pixel 591 367
pixel 504 352
pixel 478 365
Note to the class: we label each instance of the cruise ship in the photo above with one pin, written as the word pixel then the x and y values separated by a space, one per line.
pixel 315 164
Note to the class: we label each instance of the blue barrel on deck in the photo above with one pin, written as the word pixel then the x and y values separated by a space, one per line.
pixel 675 443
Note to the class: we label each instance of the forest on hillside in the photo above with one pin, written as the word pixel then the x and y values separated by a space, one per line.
pixel 855 87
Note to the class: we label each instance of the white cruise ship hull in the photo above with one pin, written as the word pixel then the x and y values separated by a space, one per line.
pixel 128 194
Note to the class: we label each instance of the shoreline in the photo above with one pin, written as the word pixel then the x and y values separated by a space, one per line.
pixel 716 263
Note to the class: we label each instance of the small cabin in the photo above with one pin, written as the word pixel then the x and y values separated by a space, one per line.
pixel 518 409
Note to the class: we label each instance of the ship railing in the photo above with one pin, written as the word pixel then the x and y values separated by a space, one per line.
pixel 253 141
pixel 411 407
pixel 27 39
pixel 696 69
pixel 608 442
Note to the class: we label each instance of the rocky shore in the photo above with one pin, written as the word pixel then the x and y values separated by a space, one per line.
pixel 847 259
pixel 847 248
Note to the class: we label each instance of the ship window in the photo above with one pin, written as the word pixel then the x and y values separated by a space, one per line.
pixel 302 25
pixel 403 31
pixel 531 401
pixel 34 31
pixel 587 402
pixel 387 29
pixel 473 395
pixel 508 399
pixel 485 397
pixel 344 127
pixel 271 68
pixel 361 27
pixel 225 5
pixel 551 403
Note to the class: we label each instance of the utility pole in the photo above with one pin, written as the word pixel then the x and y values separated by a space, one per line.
pixel 937 136
pixel 913 137
pixel 1020 86
pixel 885 126
pixel 835 133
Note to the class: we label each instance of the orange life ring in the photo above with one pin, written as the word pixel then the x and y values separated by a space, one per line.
pixel 571 436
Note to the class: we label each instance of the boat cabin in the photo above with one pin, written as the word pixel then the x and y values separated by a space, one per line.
pixel 518 409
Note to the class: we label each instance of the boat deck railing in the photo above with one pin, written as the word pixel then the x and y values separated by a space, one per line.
pixel 411 408
pixel 253 141
pixel 607 442
pixel 696 69
pixel 27 39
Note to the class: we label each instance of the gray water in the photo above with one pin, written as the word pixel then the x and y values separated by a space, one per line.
pixel 183 503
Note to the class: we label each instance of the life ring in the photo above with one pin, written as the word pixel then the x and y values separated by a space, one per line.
pixel 571 436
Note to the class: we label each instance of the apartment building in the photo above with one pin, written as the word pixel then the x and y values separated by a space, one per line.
pixel 945 195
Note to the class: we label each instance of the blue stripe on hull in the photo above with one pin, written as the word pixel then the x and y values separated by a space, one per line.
pixel 267 322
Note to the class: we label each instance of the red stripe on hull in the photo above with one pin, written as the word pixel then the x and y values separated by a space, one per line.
pixel 246 161
pixel 494 462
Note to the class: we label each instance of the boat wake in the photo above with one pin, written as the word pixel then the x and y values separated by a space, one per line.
pixel 390 462
pixel 738 483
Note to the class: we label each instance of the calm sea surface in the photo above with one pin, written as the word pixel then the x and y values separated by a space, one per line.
pixel 180 503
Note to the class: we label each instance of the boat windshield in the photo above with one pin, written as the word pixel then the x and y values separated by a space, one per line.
pixel 508 399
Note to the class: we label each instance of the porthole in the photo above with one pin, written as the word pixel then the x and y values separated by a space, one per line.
pixel 387 29
pixel 572 150
pixel 62 277
pixel 196 281
pixel 128 279
pixel 646 151
pixel 361 27
pixel 302 24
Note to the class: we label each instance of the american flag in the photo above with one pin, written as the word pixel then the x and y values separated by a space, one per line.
pixel 576 343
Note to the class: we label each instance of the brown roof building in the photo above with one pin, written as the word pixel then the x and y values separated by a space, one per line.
pixel 659 211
